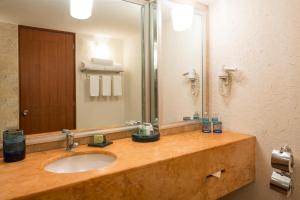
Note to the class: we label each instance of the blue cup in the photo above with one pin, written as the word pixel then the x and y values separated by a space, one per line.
pixel 14 147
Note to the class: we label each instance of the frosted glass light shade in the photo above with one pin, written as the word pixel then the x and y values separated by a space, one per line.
pixel 182 16
pixel 81 9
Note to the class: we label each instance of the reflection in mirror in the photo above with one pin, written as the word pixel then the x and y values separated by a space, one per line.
pixel 153 64
pixel 61 72
pixel 181 62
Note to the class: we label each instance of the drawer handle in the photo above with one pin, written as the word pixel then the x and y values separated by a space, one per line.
pixel 216 174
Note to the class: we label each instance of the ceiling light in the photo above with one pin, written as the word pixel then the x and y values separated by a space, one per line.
pixel 81 9
pixel 182 16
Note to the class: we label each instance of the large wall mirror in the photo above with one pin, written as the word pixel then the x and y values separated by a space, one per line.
pixel 61 71
pixel 111 64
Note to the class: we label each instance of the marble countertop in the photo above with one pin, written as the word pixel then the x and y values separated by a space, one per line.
pixel 28 177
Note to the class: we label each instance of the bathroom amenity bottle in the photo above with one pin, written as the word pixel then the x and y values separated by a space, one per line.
pixel 217 124
pixel 196 116
pixel 215 118
pixel 206 124
pixel 14 148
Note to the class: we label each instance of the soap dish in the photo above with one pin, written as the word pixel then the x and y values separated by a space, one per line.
pixel 141 138
pixel 104 144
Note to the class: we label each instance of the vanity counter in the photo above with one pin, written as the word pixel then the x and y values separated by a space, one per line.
pixel 140 169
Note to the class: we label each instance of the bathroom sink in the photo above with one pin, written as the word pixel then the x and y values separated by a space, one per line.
pixel 80 163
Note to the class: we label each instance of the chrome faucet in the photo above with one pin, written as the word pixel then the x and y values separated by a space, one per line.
pixel 70 144
pixel 133 123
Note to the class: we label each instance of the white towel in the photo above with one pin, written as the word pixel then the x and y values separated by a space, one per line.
pixel 117 85
pixel 91 66
pixel 117 67
pixel 105 62
pixel 106 85
pixel 94 85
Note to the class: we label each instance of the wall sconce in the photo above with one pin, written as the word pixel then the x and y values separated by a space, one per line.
pixel 226 80
pixel 81 9
pixel 182 16
pixel 102 51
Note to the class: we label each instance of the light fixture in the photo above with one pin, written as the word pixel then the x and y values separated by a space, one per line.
pixel 102 51
pixel 81 9
pixel 182 16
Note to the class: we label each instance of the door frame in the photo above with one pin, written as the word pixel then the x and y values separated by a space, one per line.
pixel 74 67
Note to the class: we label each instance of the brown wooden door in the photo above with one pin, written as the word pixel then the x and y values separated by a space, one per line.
pixel 47 80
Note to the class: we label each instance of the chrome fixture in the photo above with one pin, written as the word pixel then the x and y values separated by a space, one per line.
pixel 282 162
pixel 70 144
pixel 226 80
pixel 133 123
pixel 194 79
pixel 283 159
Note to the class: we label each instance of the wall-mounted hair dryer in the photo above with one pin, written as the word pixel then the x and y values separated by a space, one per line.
pixel 191 75
pixel 226 80
pixel 194 79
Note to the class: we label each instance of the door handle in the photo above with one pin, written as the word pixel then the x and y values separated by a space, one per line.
pixel 25 112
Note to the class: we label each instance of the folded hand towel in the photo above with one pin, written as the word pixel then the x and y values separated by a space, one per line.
pixel 94 85
pixel 117 85
pixel 106 85
pixel 100 61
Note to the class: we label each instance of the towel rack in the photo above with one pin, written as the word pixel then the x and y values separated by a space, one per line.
pixel 100 68
pixel 85 70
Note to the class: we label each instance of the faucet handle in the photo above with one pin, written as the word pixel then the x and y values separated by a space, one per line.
pixel 66 131
pixel 75 144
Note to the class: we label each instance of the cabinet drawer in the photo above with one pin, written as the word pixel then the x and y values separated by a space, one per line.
pixel 236 162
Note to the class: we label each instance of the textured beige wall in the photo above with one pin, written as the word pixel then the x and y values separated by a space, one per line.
pixel 9 84
pixel 261 38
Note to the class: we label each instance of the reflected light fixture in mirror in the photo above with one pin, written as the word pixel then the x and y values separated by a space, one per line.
pixel 81 9
pixel 182 16
pixel 102 51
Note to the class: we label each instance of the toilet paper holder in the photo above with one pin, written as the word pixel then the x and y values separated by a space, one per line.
pixel 282 162
pixel 282 183
pixel 283 159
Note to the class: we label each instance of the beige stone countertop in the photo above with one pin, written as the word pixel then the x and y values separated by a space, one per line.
pixel 28 177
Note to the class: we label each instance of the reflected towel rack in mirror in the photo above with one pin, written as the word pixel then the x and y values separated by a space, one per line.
pixel 86 69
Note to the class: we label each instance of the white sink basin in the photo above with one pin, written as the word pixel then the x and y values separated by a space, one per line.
pixel 80 163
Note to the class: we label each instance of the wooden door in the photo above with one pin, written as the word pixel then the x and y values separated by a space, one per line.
pixel 47 80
